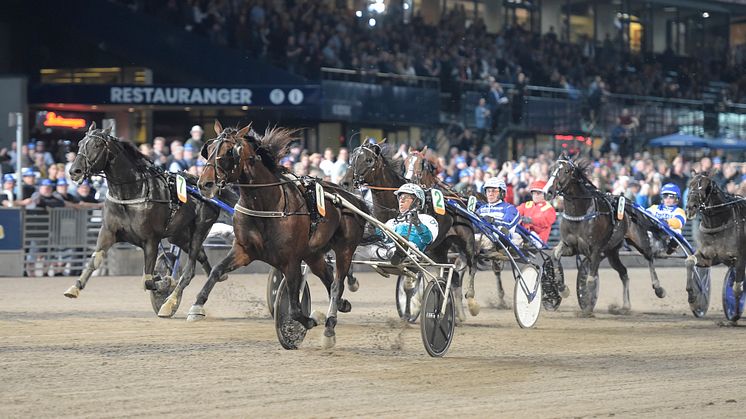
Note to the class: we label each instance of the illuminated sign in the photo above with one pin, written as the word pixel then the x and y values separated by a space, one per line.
pixel 53 120
pixel 568 139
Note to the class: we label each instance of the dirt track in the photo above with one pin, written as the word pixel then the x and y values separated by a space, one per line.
pixel 106 354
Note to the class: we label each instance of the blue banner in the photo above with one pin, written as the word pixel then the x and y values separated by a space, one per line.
pixel 292 96
pixel 11 233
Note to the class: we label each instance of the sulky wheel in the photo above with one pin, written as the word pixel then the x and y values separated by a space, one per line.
pixel 273 284
pixel 437 325
pixel 164 280
pixel 409 310
pixel 700 291
pixel 587 293
pixel 290 333
pixel 526 306
pixel 732 308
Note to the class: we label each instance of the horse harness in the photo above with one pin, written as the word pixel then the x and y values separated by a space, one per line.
pixel 733 220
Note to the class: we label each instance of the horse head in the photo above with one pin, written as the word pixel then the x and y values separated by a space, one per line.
pixel 563 173
pixel 700 188
pixel 367 163
pixel 417 167
pixel 94 153
pixel 225 155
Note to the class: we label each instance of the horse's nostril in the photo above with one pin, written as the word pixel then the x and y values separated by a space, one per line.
pixel 77 171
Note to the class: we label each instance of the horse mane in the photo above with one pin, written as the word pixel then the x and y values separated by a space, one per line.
pixel 388 152
pixel 274 145
pixel 139 160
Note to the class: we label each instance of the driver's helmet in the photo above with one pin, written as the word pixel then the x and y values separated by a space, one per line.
pixel 671 189
pixel 413 190
pixel 496 182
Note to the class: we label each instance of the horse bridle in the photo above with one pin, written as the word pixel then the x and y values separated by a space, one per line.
pixel 703 203
pixel 359 178
pixel 88 164
pixel 236 147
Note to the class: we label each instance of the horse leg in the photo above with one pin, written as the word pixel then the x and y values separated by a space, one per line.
pixel 196 253
pixel 660 292
pixel 106 239
pixel 696 260
pixel 235 258
pixel 740 266
pixel 594 263
pixel 293 281
pixel 559 251
pixel 470 256
pixel 497 268
pixel 616 263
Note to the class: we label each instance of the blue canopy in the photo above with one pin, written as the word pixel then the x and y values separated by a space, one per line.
pixel 728 144
pixel 679 140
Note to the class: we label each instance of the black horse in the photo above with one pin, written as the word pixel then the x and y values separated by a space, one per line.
pixel 273 222
pixel 374 165
pixel 590 228
pixel 141 209
pixel 722 233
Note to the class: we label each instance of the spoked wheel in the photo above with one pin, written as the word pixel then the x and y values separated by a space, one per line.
pixel 731 307
pixel 701 290
pixel 273 284
pixel 290 333
pixel 587 293
pixel 551 297
pixel 404 297
pixel 527 301
pixel 166 282
pixel 437 325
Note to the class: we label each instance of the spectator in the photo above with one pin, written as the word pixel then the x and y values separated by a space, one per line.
pixel 86 194
pixel 340 166
pixel 160 152
pixel 62 194
pixel 178 163
pixel 8 194
pixel 496 99
pixel 195 139
pixel 45 198
pixel 29 183
pixel 327 163
pixel 481 121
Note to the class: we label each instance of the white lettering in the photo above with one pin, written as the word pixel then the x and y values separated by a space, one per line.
pixel 245 97
pixel 209 95
pixel 158 96
pixel 196 96
pixel 171 96
pixel 115 95
pixel 183 95
pixel 235 96
pixel 127 95
pixel 137 95
pixel 224 96
pixel 148 93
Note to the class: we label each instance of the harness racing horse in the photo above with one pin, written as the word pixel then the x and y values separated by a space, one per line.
pixel 272 223
pixel 420 168
pixel 721 235
pixel 590 228
pixel 140 209
pixel 374 165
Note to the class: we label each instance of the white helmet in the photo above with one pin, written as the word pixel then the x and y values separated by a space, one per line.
pixel 495 182
pixel 197 128
pixel 412 189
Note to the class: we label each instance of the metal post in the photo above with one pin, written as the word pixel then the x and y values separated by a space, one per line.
pixel 19 144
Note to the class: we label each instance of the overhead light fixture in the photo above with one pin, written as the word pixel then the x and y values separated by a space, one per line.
pixel 244 108
pixel 359 13
pixel 705 15
pixel 372 22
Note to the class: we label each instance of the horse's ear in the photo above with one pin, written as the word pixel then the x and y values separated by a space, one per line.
pixel 694 172
pixel 203 152
pixel 410 150
pixel 107 131
pixel 92 127
pixel 218 127
pixel 245 130
pixel 382 141
pixel 423 150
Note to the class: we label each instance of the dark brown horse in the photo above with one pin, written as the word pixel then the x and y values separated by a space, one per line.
pixel 721 235
pixel 589 227
pixel 140 209
pixel 273 223
pixel 374 165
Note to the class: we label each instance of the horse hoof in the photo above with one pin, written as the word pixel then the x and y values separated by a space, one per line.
pixel 474 307
pixel 353 286
pixel 223 277
pixel 565 291
pixel 328 342
pixel 660 292
pixel 72 292
pixel 344 306
pixel 196 313
pixel 318 317
pixel 167 309
pixel 691 260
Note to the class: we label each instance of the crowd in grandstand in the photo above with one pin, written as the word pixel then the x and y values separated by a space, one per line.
pixel 303 36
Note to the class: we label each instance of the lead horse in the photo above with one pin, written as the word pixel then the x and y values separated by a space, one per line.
pixel 721 235
pixel 590 227
pixel 272 223
pixel 140 209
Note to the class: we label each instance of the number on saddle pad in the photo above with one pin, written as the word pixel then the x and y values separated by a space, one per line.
pixel 439 203
pixel 471 205
pixel 320 202
pixel 181 190
pixel 620 208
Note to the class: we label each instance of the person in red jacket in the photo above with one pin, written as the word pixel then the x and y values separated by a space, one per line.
pixel 538 215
